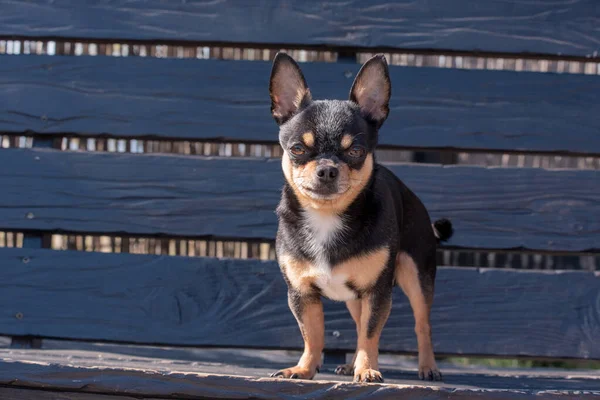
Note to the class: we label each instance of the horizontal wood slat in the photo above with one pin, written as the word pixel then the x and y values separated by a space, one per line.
pixel 212 99
pixel 499 208
pixel 243 303
pixel 31 378
pixel 148 371
pixel 516 26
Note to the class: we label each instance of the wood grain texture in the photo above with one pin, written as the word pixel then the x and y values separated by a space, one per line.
pixel 117 372
pixel 243 303
pixel 212 99
pixel 16 393
pixel 151 384
pixel 492 208
pixel 560 27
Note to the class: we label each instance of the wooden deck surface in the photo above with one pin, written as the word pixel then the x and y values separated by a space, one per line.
pixel 78 370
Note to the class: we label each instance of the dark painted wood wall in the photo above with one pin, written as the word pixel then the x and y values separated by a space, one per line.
pixel 190 301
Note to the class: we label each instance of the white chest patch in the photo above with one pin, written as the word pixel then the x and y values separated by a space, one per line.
pixel 333 286
pixel 324 230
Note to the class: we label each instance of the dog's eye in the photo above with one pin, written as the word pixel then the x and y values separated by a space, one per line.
pixel 356 151
pixel 297 150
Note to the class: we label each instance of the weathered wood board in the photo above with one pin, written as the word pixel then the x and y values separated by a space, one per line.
pixel 121 371
pixel 243 303
pixel 212 99
pixel 491 208
pixel 515 26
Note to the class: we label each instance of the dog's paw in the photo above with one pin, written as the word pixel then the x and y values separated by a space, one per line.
pixel 345 369
pixel 429 373
pixel 368 375
pixel 296 372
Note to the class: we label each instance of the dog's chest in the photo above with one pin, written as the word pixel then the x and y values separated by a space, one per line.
pixel 323 232
pixel 334 286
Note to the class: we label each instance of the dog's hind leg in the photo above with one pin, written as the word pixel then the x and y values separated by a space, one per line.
pixel 421 299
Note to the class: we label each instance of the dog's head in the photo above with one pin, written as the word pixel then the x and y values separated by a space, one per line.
pixel 328 145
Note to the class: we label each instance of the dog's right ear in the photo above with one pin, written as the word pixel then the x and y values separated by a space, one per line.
pixel 372 90
pixel 288 89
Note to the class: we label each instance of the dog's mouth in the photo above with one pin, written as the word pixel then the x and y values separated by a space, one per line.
pixel 324 193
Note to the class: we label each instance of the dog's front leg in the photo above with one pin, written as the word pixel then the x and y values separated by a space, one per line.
pixel 308 310
pixel 375 310
pixel 355 308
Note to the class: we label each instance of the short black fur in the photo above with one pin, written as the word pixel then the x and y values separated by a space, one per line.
pixel 385 213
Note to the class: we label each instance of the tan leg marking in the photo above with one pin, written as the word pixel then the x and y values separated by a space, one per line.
pixel 362 272
pixel 366 365
pixel 407 277
pixel 354 306
pixel 298 273
pixel 312 326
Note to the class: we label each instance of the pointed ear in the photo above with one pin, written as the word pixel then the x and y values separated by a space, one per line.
pixel 288 89
pixel 372 89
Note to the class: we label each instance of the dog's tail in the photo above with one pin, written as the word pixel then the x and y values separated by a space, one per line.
pixel 442 229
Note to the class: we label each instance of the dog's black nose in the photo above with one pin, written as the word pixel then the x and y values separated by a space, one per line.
pixel 327 173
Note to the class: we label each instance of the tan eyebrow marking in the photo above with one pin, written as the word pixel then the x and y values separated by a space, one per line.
pixel 346 141
pixel 309 139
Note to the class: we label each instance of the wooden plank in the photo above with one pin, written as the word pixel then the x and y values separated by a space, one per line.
pixel 119 368
pixel 212 99
pixel 557 28
pixel 49 393
pixel 243 303
pixel 254 362
pixel 491 208
pixel 150 384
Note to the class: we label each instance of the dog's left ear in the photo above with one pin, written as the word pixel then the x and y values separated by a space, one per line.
pixel 288 89
pixel 372 90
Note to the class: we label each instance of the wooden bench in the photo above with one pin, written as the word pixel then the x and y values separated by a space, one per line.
pixel 89 324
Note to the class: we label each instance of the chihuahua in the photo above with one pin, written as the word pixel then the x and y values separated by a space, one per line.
pixel 349 229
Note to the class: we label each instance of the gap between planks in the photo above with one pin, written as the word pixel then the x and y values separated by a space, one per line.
pixel 265 250
pixel 441 59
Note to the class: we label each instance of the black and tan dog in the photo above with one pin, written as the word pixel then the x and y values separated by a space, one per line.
pixel 348 228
